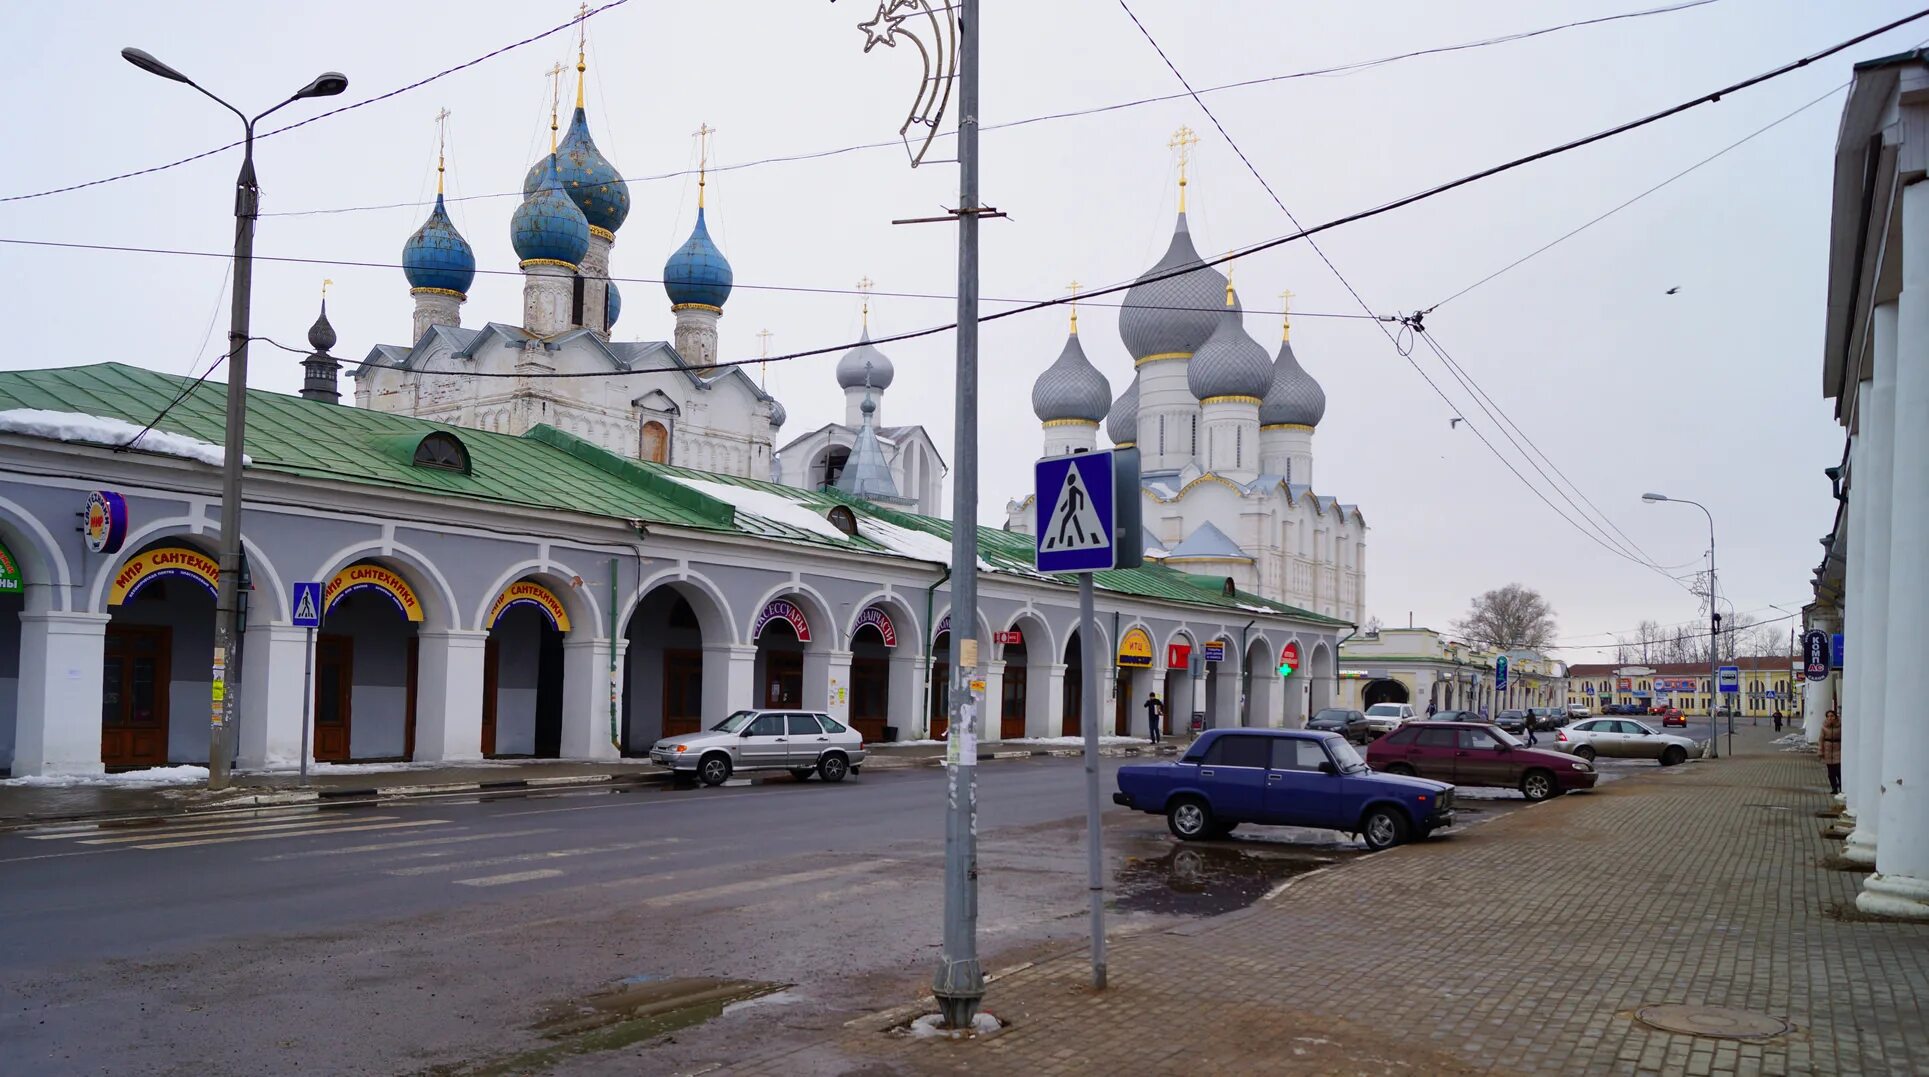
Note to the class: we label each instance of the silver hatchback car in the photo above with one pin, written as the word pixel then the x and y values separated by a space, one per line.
pixel 801 742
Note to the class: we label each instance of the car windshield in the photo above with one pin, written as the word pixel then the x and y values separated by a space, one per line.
pixel 1384 710
pixel 734 723
pixel 1348 759
pixel 1507 738
pixel 1330 715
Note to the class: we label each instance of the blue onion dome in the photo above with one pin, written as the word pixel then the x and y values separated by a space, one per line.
pixel 698 273
pixel 1172 317
pixel 1295 398
pixel 437 256
pixel 548 227
pixel 852 368
pixel 1230 362
pixel 612 307
pixel 1122 425
pixel 1071 388
pixel 778 416
pixel 587 176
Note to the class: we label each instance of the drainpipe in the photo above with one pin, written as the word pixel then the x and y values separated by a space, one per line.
pixel 1245 697
pixel 615 740
pixel 1336 667
pixel 1115 676
pixel 930 597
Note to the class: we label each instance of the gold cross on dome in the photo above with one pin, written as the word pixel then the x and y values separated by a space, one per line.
pixel 555 98
pixel 702 135
pixel 864 286
pixel 441 139
pixel 1073 287
pixel 1183 140
pixel 1286 314
pixel 763 337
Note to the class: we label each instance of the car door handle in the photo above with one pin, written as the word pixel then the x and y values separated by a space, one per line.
pixel 1272 777
pixel 1205 774
pixel 780 740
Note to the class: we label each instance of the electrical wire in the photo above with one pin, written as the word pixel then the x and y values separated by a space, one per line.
pixel 417 84
pixel 814 155
pixel 1671 624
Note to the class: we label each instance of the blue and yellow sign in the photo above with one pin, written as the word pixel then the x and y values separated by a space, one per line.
pixel 367 577
pixel 1135 650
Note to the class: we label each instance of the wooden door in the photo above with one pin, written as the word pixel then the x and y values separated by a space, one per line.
pixel 1073 724
pixel 870 696
pixel 1011 716
pixel 1122 705
pixel 940 692
pixel 334 690
pixel 491 670
pixel 135 680
pixel 682 691
pixel 783 679
pixel 408 720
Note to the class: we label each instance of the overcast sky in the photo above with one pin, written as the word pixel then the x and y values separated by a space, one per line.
pixel 1712 393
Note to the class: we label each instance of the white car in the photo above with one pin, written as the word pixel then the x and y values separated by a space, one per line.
pixel 1384 718
pixel 1623 738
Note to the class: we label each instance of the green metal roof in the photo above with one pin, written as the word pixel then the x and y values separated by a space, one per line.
pixel 545 468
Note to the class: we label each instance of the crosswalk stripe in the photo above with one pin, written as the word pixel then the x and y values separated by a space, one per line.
pixel 171 833
pixel 751 885
pixel 544 854
pixel 843 894
pixel 290 834
pixel 218 822
pixel 513 877
pixel 385 845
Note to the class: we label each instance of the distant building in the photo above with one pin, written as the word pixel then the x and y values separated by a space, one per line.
pixel 1423 667
pixel 1766 685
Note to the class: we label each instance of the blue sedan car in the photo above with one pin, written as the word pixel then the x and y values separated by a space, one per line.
pixel 1283 777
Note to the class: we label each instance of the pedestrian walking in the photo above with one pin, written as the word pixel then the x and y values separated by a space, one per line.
pixel 1832 749
pixel 1778 719
pixel 1154 715
pixel 1529 726
pixel 1432 708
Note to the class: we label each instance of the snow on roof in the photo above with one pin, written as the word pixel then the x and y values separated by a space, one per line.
pixel 1207 541
pixel 113 433
pixel 771 506
pixel 909 542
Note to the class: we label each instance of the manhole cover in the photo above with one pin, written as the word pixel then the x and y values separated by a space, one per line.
pixel 1715 1022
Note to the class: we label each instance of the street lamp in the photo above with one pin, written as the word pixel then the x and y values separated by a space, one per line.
pixel 1714 626
pixel 227 620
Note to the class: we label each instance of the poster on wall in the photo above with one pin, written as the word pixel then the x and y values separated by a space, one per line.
pixel 10 581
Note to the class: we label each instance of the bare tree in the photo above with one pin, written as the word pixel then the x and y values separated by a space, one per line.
pixel 1509 618
pixel 1371 627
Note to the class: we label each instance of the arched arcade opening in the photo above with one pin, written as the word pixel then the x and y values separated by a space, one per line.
pixel 671 684
pixel 523 673
pixel 154 670
pixel 366 666
pixel 1384 691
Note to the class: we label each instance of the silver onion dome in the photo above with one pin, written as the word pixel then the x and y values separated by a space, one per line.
pixel 1071 388
pixel 1122 425
pixel 1294 397
pixel 1175 315
pixel 1230 362
pixel 863 359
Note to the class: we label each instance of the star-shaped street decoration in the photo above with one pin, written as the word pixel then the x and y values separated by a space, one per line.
pixel 883 27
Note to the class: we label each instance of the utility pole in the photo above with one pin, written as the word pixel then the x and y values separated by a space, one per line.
pixel 959 983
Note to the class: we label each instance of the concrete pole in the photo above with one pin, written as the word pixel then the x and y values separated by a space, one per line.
pixel 1875 476
pixel 1095 865
pixel 959 983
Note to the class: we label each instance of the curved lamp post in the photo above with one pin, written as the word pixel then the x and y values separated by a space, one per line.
pixel 1714 626
pixel 227 623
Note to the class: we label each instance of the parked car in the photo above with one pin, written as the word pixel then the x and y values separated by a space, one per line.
pixel 1384 718
pixel 1577 711
pixel 1469 753
pixel 1623 738
pixel 1350 724
pixel 1283 777
pixel 801 742
pixel 1457 716
pixel 1546 718
pixel 1513 721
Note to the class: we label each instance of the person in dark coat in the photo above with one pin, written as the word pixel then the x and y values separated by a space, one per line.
pixel 1832 749
pixel 1154 715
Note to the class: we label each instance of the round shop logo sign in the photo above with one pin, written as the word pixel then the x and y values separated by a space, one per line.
pixel 105 521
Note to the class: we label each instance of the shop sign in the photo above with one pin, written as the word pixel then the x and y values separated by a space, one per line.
pixel 1178 655
pixel 1135 650
pixel 373 578
pixel 1289 657
pixel 1624 684
pixel 877 618
pixel 944 625
pixel 1815 654
pixel 167 562
pixel 105 521
pixel 782 610
pixel 10 581
pixel 1013 638
pixel 532 594
pixel 1215 651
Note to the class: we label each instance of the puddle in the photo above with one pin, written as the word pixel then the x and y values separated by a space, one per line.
pixel 1205 880
pixel 628 1012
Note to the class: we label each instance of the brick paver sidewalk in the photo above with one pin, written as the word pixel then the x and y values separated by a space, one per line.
pixel 1520 946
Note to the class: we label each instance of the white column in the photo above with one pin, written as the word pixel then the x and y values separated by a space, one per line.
pixel 448 696
pixel 57 727
pixel 817 676
pixel 435 306
pixel 589 691
pixel 1054 692
pixel 729 679
pixel 991 709
pixel 1854 577
pixel 1262 709
pixel 274 682
pixel 907 691
pixel 1874 483
pixel 548 291
pixel 1818 696
pixel 837 685
pixel 1900 885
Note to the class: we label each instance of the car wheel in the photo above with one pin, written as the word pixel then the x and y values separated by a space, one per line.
pixel 1399 768
pixel 1675 754
pixel 1537 785
pixel 1585 752
pixel 715 769
pixel 1383 828
pixel 832 768
pixel 802 774
pixel 1189 819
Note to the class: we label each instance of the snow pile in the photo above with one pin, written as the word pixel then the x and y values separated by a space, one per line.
pixel 185 775
pixel 774 507
pixel 931 1026
pixel 1797 737
pixel 1073 742
pixel 115 433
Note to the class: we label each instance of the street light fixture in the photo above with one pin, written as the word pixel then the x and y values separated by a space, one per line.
pixel 1714 628
pixel 227 624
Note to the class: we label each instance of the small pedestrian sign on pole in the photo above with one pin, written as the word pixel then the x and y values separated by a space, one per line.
pixel 308 605
pixel 1728 678
pixel 1074 524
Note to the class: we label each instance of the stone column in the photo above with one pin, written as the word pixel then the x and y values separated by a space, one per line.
pixel 274 682
pixel 837 685
pixel 595 272
pixel 448 697
pixel 1066 436
pixel 548 287
pixel 1855 577
pixel 1873 483
pixel 1900 885
pixel 1817 696
pixel 695 334
pixel 1054 689
pixel 729 678
pixel 589 692
pixel 991 707
pixel 435 306
pixel 907 691
pixel 57 728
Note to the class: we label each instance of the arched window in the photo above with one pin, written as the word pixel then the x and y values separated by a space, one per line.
pixel 444 451
pixel 656 442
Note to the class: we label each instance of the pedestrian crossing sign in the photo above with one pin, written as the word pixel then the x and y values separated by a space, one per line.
pixel 1074 499
pixel 308 605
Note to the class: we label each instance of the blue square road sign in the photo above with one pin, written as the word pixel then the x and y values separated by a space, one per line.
pixel 1074 513
pixel 308 604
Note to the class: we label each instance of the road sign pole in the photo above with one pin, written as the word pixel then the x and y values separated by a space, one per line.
pixel 307 699
pixel 1088 719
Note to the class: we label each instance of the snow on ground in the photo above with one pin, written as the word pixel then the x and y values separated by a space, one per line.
pixel 99 430
pixel 184 775
pixel 770 506
pixel 1063 742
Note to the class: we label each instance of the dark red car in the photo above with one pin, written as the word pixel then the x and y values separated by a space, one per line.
pixel 1469 753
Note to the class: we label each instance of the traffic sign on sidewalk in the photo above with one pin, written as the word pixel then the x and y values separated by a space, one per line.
pixel 308 604
pixel 1074 498
pixel 1728 678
